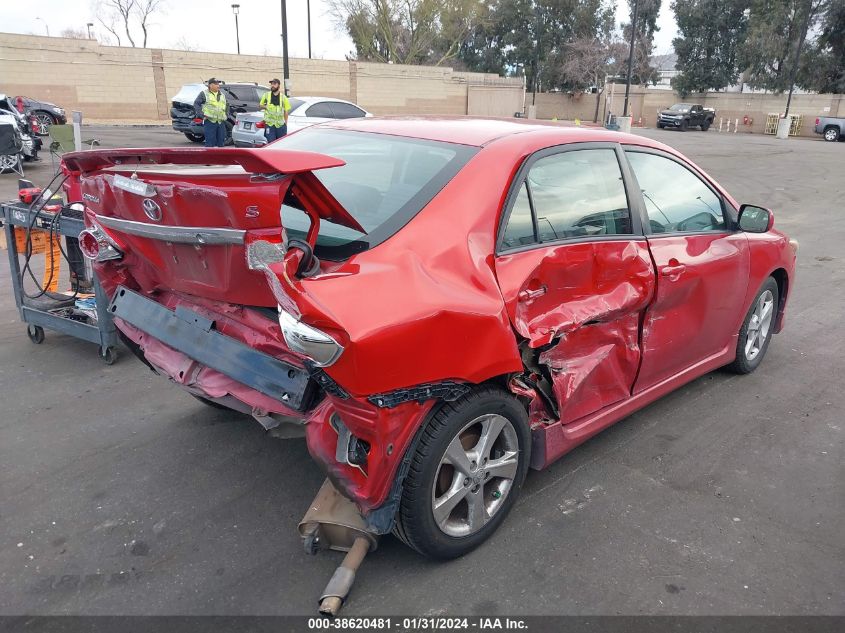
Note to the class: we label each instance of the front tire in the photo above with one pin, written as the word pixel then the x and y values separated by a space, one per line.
pixel 684 125
pixel 465 475
pixel 831 134
pixel 756 331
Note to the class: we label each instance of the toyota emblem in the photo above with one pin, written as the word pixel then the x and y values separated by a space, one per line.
pixel 152 210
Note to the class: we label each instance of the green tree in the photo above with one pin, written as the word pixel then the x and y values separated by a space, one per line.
pixel 711 34
pixel 775 30
pixel 407 31
pixel 531 36
pixel 823 63
pixel 642 72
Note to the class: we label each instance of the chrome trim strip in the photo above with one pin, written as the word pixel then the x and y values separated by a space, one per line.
pixel 178 234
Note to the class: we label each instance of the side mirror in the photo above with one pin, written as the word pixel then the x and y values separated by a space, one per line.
pixel 753 219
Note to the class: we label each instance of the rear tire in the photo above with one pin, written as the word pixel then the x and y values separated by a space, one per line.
pixel 194 138
pixel 831 134
pixel 757 329
pixel 465 474
pixel 705 126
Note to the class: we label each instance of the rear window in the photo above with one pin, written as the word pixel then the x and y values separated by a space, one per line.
pixel 188 93
pixel 385 182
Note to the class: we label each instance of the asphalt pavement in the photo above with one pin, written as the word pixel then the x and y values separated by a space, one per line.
pixel 120 494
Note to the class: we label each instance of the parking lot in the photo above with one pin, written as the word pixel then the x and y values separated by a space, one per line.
pixel 120 494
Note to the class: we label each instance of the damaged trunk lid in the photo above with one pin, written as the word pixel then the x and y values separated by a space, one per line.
pixel 184 217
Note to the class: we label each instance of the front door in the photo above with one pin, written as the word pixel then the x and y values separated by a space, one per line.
pixel 576 275
pixel 702 268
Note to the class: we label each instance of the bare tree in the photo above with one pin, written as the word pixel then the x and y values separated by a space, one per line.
pixel 144 9
pixel 107 18
pixel 122 15
pixel 184 43
pixel 588 62
pixel 76 34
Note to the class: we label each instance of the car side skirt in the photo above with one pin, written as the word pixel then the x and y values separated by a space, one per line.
pixel 550 443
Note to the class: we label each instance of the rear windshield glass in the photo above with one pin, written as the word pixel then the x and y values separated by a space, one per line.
pixel 385 182
pixel 295 103
pixel 188 93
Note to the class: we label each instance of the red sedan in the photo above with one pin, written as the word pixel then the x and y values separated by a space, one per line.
pixel 437 304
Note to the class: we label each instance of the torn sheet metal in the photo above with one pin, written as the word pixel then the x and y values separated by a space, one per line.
pixel 579 306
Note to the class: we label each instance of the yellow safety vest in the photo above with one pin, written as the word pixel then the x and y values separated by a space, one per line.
pixel 214 108
pixel 274 115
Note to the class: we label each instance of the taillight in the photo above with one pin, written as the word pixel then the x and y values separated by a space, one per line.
pixel 89 245
pixel 817 120
pixel 197 120
pixel 97 246
pixel 261 124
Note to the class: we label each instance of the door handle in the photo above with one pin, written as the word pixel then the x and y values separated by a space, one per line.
pixel 672 270
pixel 532 294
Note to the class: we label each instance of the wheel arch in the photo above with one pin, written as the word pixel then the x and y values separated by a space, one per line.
pixel 382 518
pixel 781 277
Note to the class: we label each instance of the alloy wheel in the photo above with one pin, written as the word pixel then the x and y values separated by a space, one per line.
pixel 43 122
pixel 759 325
pixel 475 475
pixel 830 134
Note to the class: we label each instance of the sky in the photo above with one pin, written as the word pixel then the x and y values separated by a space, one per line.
pixel 210 25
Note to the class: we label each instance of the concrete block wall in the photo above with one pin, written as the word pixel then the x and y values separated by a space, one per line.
pixel 137 85
pixel 646 103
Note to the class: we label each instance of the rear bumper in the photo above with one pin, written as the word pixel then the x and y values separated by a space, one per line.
pixel 251 138
pixel 186 345
pixel 187 126
pixel 196 348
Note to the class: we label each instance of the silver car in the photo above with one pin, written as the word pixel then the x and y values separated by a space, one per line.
pixel 304 111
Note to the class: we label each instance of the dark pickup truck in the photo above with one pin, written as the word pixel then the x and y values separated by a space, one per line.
pixel 831 128
pixel 686 115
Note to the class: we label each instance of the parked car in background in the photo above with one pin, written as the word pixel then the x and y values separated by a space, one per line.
pixel 831 128
pixel 441 303
pixel 304 112
pixel 240 97
pixel 686 115
pixel 44 114
pixel 30 142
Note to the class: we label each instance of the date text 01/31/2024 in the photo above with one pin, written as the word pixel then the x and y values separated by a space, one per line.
pixel 433 623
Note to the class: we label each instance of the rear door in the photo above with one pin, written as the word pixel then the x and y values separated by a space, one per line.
pixel 576 276
pixel 702 267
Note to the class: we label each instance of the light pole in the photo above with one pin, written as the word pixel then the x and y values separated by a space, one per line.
pixel 235 9
pixel 45 26
pixel 308 6
pixel 631 57
pixel 89 25
pixel 285 65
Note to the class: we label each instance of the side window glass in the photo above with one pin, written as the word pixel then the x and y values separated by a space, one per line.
pixel 675 198
pixel 345 111
pixel 579 194
pixel 519 230
pixel 320 110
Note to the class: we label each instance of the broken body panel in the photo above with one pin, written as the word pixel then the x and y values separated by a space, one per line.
pixel 433 308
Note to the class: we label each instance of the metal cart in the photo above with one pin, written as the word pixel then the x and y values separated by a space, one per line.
pixel 46 312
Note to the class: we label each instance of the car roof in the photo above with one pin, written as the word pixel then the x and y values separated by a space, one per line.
pixel 312 99
pixel 481 131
